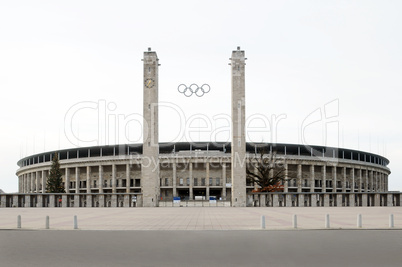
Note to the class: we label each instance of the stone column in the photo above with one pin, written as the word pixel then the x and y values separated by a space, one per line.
pixel 3 201
pixel 45 174
pixel 312 178
pixel 313 200
pixel 16 203
pixel 344 179
pixel 359 186
pixel 353 180
pixel 27 201
pixel 88 179
pixel 190 173
pixel 367 180
pixel 37 182
pixel 364 200
pixel 32 183
pixel 288 200
pixel 386 183
pixel 150 183
pixel 286 184
pixel 113 178
pixel 76 201
pixel 262 200
pixel 275 200
pixel 374 181
pixel 351 200
pixel 67 180
pixel 207 179
pixel 114 201
pixel 377 200
pixel 127 201
pixel 89 201
pixel 299 178
pixel 377 182
pixel 238 148
pixel 28 183
pixel 19 184
pixel 128 181
pixel 22 184
pixel 333 178
pixel 174 179
pixel 64 200
pixel 324 178
pixel 100 185
pixel 326 200
pixel 300 200
pixel 389 200
pixel 224 181
pixel 51 201
pixel 339 200
pixel 382 182
pixel 21 190
pixel 77 180
pixel 101 200
pixel 379 174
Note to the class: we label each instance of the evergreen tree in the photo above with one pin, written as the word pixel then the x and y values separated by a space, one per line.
pixel 54 182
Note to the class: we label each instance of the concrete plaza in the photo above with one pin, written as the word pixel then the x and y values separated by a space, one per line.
pixel 199 218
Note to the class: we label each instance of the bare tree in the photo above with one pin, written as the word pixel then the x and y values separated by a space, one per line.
pixel 267 171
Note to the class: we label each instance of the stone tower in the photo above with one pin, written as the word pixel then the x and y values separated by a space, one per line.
pixel 238 129
pixel 150 153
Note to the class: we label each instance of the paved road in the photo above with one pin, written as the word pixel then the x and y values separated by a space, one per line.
pixel 201 248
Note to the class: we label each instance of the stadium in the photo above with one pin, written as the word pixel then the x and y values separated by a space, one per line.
pixel 154 174
pixel 188 170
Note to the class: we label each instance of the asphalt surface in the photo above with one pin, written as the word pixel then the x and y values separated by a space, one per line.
pixel 201 248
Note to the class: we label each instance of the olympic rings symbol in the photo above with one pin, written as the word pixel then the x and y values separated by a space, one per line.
pixel 194 89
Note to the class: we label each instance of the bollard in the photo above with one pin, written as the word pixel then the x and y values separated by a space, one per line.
pixel 359 221
pixel 391 221
pixel 19 221
pixel 294 221
pixel 47 222
pixel 75 222
pixel 262 222
pixel 327 224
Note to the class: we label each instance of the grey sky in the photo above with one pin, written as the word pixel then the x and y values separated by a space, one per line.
pixel 302 56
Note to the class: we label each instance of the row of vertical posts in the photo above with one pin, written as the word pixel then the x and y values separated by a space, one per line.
pixel 319 199
pixel 70 200
pixel 327 224
pixel 47 222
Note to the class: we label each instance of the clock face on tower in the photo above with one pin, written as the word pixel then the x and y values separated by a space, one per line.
pixel 149 83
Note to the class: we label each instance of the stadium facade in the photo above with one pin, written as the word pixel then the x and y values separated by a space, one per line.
pixel 159 172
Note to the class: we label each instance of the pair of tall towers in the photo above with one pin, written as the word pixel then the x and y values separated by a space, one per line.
pixel 150 155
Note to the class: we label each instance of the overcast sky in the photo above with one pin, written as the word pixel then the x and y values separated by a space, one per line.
pixel 318 72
